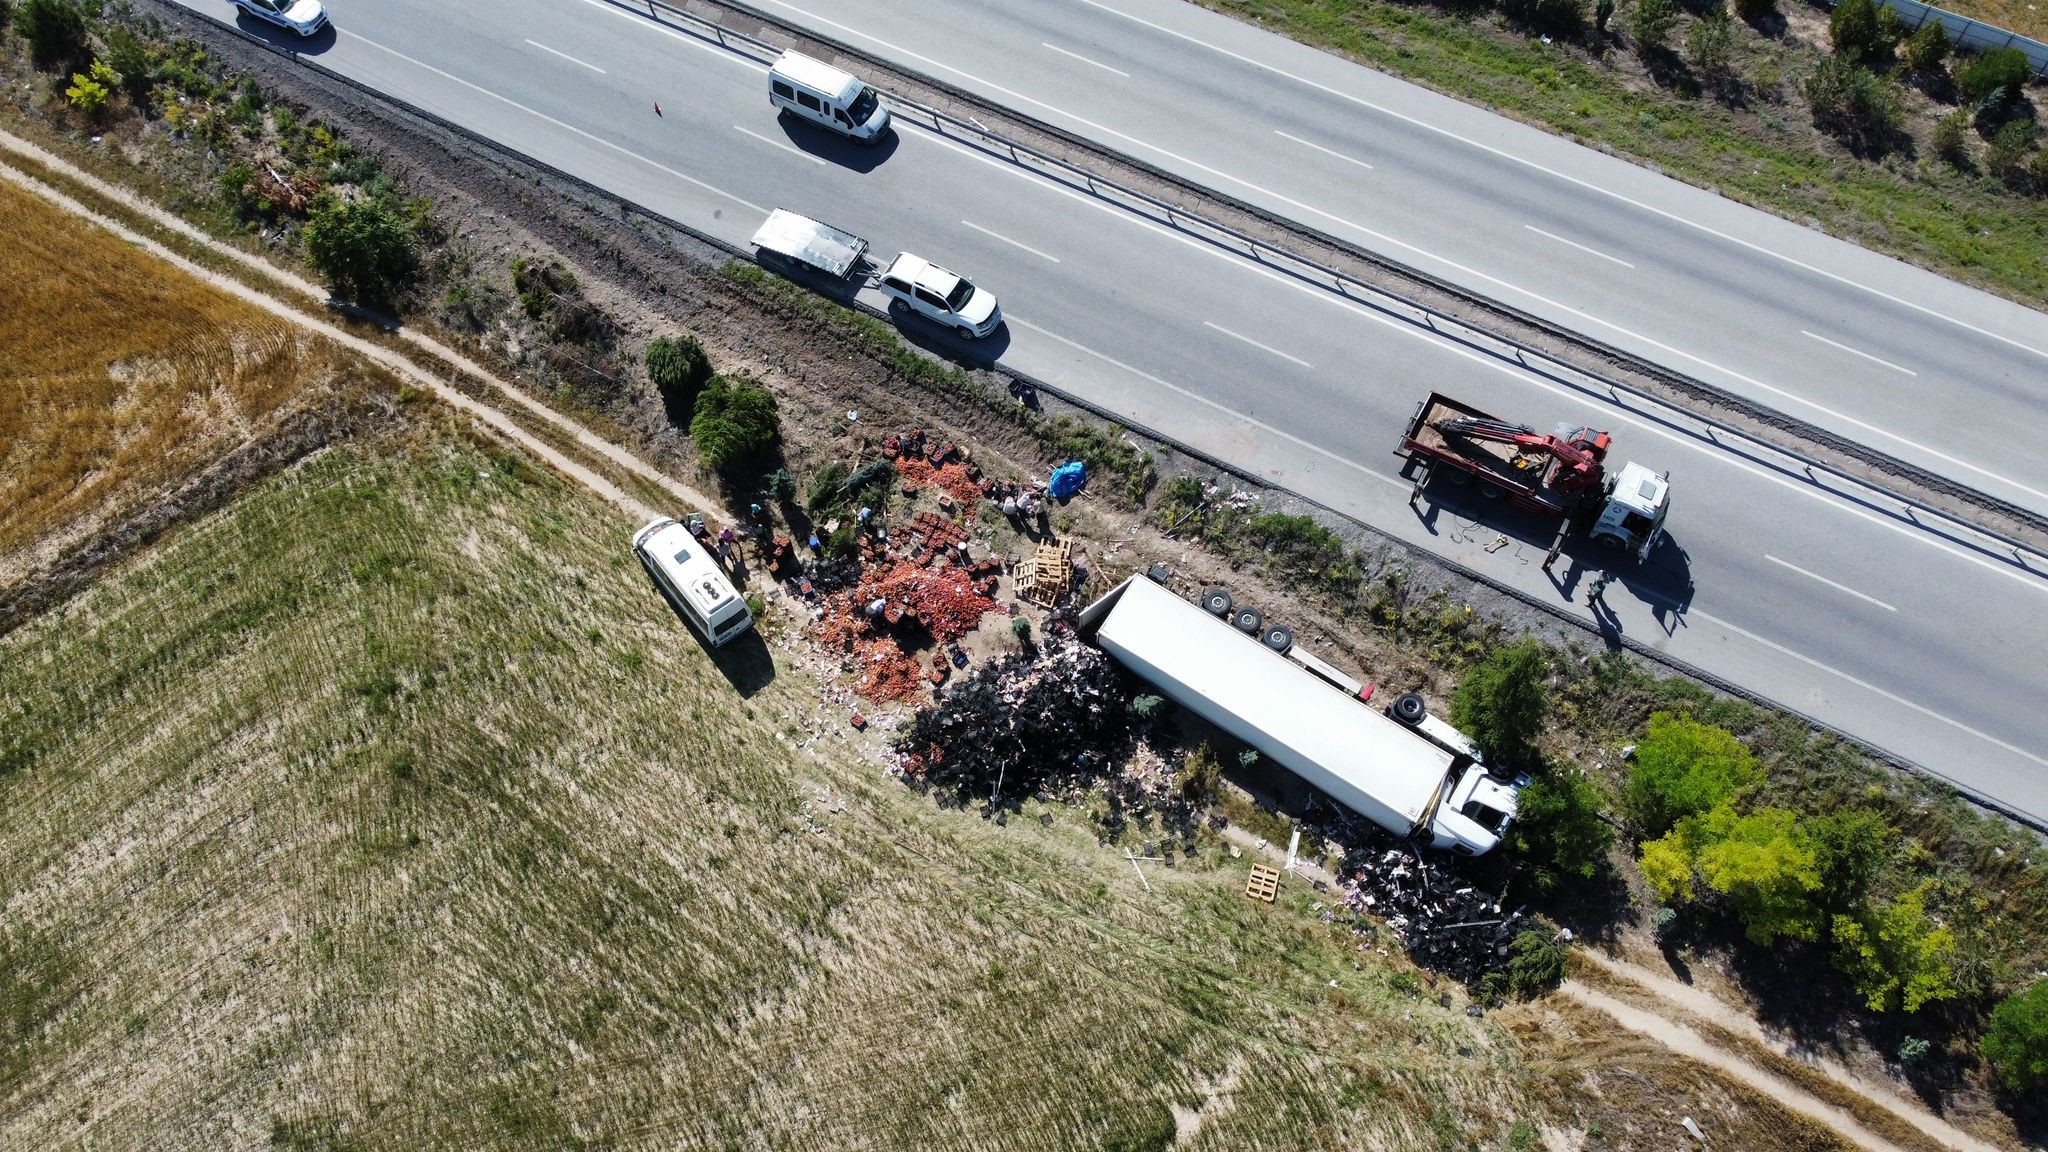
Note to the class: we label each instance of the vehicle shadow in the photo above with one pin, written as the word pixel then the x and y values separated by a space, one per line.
pixel 745 662
pixel 840 290
pixel 830 146
pixel 982 352
pixel 291 42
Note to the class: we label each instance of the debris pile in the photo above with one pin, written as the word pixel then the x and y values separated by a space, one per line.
pixel 1446 923
pixel 1018 724
pixel 957 480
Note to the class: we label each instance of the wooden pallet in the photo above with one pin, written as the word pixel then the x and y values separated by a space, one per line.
pixel 1264 883
pixel 1048 574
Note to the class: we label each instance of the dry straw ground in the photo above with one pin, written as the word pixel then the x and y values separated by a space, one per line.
pixel 119 381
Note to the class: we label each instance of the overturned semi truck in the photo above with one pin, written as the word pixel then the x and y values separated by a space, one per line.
pixel 1404 770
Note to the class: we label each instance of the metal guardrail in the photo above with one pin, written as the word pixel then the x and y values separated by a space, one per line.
pixel 1280 259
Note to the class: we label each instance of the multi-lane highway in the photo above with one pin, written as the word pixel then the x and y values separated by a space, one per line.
pixel 1950 378
pixel 1921 644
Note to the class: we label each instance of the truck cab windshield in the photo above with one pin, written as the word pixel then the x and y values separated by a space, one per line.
pixel 863 106
pixel 957 299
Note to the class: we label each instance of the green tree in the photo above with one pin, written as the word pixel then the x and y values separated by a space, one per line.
pixel 1850 847
pixel 1896 955
pixel 89 92
pixel 1667 866
pixel 56 32
pixel 2006 157
pixel 1710 43
pixel 1993 78
pixel 1683 768
pixel 1502 703
pixel 1952 139
pixel 1853 30
pixel 679 369
pixel 735 422
pixel 2016 1043
pixel 364 249
pixel 1763 867
pixel 1651 23
pixel 781 486
pixel 1536 964
pixel 1558 834
pixel 1928 47
pixel 1855 105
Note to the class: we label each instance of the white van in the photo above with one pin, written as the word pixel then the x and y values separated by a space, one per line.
pixel 827 97
pixel 693 580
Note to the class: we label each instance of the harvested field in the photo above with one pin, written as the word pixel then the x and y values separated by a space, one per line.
pixel 120 382
pixel 392 808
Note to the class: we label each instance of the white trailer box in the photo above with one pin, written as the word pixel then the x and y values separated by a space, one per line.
pixel 1371 763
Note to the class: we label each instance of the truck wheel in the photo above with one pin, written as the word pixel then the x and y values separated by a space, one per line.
pixel 1279 639
pixel 1491 491
pixel 1611 543
pixel 1248 621
pixel 965 332
pixel 1409 708
pixel 1217 601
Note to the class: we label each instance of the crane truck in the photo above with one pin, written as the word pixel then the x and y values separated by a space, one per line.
pixel 1403 769
pixel 1563 474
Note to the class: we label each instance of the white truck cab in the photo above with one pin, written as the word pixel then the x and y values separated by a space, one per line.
pixel 940 296
pixel 1633 519
pixel 815 91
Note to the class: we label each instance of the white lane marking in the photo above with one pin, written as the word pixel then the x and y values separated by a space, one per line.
pixel 598 140
pixel 1384 238
pixel 566 56
pixel 1012 243
pixel 1711 451
pixel 1583 183
pixel 1198 398
pixel 1256 344
pixel 1857 352
pixel 1320 148
pixel 1868 686
pixel 1084 59
pixel 1579 246
pixel 784 145
pixel 1828 582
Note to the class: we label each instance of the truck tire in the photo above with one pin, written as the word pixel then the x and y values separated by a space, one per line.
pixel 1409 708
pixel 1248 620
pixel 1278 638
pixel 1218 602
pixel 1610 542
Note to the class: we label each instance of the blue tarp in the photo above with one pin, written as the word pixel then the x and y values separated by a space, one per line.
pixel 1067 479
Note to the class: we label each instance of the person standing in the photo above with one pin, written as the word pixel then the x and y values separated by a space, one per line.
pixel 1597 593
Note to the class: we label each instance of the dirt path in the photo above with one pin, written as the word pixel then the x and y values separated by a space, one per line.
pixel 1693 1046
pixel 375 352
pixel 1719 1012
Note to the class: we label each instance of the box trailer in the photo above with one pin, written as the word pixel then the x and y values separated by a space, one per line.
pixel 1391 771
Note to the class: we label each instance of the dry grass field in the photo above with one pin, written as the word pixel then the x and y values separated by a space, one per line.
pixel 119 380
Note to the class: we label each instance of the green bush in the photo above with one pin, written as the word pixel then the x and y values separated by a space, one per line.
pixel 56 31
pixel 1759 863
pixel 735 422
pixel 679 369
pixel 1558 836
pixel 1855 105
pixel 1927 48
pixel 1684 768
pixel 2037 172
pixel 1896 956
pixel 89 92
pixel 1993 78
pixel 781 486
pixel 1145 706
pixel 1710 43
pixel 1853 31
pixel 1952 139
pixel 1502 703
pixel 825 487
pixel 1535 964
pixel 1850 847
pixel 1651 23
pixel 363 248
pixel 1564 16
pixel 2016 1044
pixel 2006 156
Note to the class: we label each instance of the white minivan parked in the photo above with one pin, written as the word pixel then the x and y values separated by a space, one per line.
pixel 825 96
pixel 940 296
pixel 692 579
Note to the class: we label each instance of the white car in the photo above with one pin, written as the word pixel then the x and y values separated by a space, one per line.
pixel 304 17
pixel 939 295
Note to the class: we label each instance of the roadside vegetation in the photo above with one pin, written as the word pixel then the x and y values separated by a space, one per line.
pixel 1885 139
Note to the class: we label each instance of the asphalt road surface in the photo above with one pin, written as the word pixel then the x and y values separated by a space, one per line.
pixel 1814 327
pixel 1921 644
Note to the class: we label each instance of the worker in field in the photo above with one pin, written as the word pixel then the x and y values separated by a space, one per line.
pixel 1597 593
